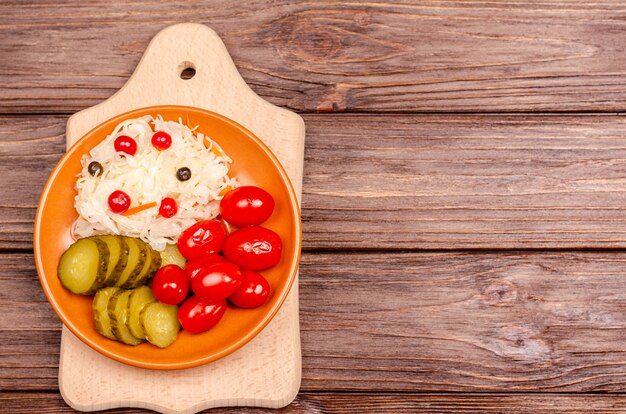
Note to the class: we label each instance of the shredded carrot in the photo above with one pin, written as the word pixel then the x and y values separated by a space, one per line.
pixel 217 152
pixel 139 208
pixel 225 190
pixel 214 149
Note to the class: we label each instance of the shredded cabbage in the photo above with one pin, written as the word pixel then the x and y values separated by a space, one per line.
pixel 149 176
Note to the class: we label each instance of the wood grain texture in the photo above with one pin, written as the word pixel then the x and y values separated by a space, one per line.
pixel 461 182
pixel 411 322
pixel 358 403
pixel 333 56
pixel 30 147
pixel 407 324
pixel 410 182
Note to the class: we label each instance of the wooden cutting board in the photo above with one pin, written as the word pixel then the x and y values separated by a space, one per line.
pixel 265 372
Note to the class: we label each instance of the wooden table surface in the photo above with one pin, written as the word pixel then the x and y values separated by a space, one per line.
pixel 464 190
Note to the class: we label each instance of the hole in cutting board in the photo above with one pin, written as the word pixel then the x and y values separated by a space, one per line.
pixel 187 70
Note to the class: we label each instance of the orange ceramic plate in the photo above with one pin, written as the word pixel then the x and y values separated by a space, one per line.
pixel 253 164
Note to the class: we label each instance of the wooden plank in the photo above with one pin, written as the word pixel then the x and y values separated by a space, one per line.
pixel 29 149
pixel 440 182
pixel 410 182
pixel 51 403
pixel 340 56
pixel 414 322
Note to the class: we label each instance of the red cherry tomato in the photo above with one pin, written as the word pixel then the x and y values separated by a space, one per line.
pixel 170 285
pixel 161 140
pixel 125 144
pixel 253 248
pixel 217 281
pixel 168 207
pixel 119 201
pixel 195 265
pixel 198 315
pixel 253 291
pixel 204 237
pixel 246 206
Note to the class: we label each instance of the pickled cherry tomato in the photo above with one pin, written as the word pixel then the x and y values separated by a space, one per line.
pixel 170 285
pixel 168 207
pixel 246 206
pixel 198 315
pixel 204 237
pixel 119 201
pixel 252 292
pixel 125 144
pixel 253 248
pixel 195 265
pixel 217 281
pixel 161 140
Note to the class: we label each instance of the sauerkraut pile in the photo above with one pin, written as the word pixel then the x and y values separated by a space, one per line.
pixel 148 177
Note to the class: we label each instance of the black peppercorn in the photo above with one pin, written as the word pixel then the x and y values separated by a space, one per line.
pixel 95 168
pixel 183 174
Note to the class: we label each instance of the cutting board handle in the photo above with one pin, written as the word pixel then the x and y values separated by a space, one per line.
pixel 216 85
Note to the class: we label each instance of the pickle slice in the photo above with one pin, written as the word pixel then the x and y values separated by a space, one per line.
pixel 83 266
pixel 118 313
pixel 160 323
pixel 118 255
pixel 100 311
pixel 150 267
pixel 138 299
pixel 123 261
pixel 137 255
pixel 171 255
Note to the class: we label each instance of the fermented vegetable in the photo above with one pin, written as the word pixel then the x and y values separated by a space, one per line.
pixel 101 312
pixel 118 257
pixel 118 313
pixel 138 299
pixel 122 315
pixel 101 261
pixel 83 267
pixel 160 323
pixel 137 255
pixel 171 255
pixel 147 174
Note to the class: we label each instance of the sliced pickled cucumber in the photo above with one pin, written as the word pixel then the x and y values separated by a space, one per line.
pixel 171 255
pixel 160 323
pixel 118 255
pixel 118 313
pixel 83 267
pixel 123 261
pixel 137 255
pixel 100 311
pixel 155 265
pixel 151 266
pixel 136 302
